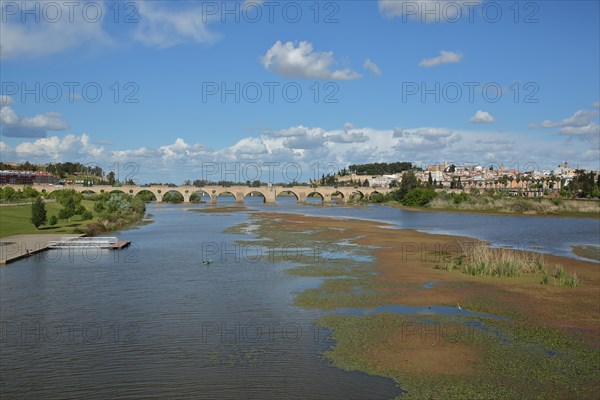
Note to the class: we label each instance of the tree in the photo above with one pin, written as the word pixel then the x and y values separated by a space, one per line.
pixel 366 183
pixel 418 197
pixel 53 220
pixel 430 180
pixel 111 178
pixel 38 212
pixel 68 209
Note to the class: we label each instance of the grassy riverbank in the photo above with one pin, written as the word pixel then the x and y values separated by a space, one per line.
pixel 509 206
pixel 105 213
pixel 548 348
pixel 16 220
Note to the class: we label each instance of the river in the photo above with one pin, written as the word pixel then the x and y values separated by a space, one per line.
pixel 153 322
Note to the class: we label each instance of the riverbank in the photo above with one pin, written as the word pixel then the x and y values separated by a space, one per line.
pixel 548 346
pixel 501 211
pixel 13 248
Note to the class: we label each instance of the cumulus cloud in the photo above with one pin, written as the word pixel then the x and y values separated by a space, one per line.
pixel 348 137
pixel 50 35
pixel 70 147
pixel 161 27
pixel 305 145
pixel 482 117
pixel 289 132
pixel 11 125
pixel 580 125
pixel 302 61
pixel 580 119
pixel 426 10
pixel 445 57
pixel 5 100
pixel 424 138
pixel 371 66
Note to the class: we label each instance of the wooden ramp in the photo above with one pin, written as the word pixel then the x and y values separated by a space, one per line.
pixel 121 244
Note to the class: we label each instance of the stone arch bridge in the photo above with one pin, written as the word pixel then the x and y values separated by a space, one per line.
pixel 269 193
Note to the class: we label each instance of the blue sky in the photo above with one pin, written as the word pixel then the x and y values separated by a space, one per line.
pixel 373 58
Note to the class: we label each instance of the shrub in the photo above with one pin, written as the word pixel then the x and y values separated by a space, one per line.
pixel 53 220
pixel 418 197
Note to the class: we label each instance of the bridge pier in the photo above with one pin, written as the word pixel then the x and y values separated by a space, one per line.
pixel 239 197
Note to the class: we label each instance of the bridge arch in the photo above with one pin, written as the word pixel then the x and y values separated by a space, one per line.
pixel 199 196
pixel 88 192
pixel 172 196
pixel 356 195
pixel 146 195
pixel 375 194
pixel 224 194
pixel 337 196
pixel 287 194
pixel 253 194
pixel 315 195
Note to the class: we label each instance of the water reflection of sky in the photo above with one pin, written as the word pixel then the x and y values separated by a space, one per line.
pixel 553 235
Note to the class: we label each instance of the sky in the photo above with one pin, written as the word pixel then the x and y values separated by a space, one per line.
pixel 165 91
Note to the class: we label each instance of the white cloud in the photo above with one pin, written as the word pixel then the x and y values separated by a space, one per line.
pixel 482 117
pixel 596 104
pixel 161 27
pixel 580 125
pixel 348 137
pixel 371 66
pixel 445 57
pixel 5 100
pixel 46 37
pixel 579 119
pixel 70 147
pixel 427 10
pixel 421 139
pixel 11 125
pixel 289 132
pixel 302 61
pixel 306 145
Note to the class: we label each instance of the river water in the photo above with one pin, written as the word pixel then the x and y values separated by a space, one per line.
pixel 153 322
pixel 551 235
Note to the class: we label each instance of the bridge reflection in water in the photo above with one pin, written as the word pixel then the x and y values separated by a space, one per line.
pixel 269 193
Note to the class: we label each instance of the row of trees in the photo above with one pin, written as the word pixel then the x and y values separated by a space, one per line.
pixel 584 184
pixel 381 168
pixel 27 193
pixel 70 200
pixel 61 170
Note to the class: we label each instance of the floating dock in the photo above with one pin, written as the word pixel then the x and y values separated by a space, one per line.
pixel 84 242
pixel 121 244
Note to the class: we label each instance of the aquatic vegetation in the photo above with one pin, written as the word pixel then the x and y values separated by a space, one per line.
pixel 480 260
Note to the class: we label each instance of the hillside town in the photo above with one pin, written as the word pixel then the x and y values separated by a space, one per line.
pixel 467 177
pixel 445 176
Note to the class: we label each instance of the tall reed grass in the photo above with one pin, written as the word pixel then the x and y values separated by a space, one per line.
pixel 477 259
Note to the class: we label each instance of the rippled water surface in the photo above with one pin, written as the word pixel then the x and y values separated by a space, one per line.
pixel 153 322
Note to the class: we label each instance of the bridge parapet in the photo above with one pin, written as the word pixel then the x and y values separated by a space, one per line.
pixel 269 193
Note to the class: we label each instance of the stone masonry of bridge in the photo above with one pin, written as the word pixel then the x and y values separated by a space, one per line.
pixel 269 193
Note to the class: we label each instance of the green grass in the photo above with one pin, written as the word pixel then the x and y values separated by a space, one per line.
pixel 16 220
pixel 515 206
pixel 480 260
pixel 517 360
